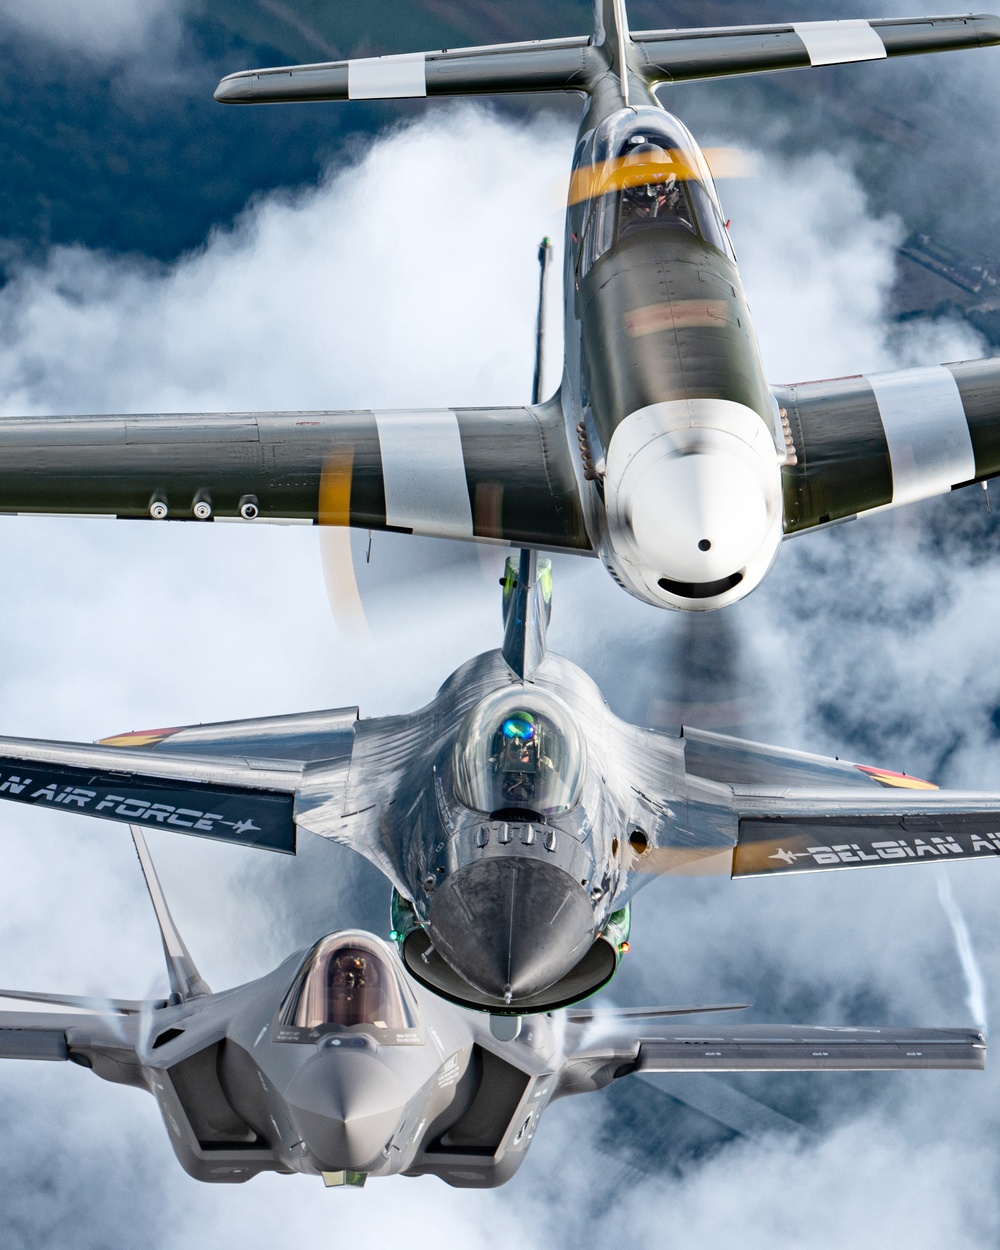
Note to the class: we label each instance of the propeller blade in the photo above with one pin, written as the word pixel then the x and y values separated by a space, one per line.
pixel 335 544
pixel 341 582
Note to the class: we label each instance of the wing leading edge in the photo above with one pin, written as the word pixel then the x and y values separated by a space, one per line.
pixel 877 441
pixel 795 812
pixel 487 474
pixel 774 1048
pixel 250 804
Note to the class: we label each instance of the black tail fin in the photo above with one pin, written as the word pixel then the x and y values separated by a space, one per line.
pixel 185 979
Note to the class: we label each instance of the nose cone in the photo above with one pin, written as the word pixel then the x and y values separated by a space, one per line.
pixel 346 1105
pixel 511 926
pixel 701 515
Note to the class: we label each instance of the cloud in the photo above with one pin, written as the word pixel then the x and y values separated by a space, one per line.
pixel 407 278
pixel 98 28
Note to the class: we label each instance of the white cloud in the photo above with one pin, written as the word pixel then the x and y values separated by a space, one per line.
pixel 100 28
pixel 409 278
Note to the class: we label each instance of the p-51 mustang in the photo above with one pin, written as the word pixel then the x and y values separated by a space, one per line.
pixel 665 452
pixel 337 1065
pixel 514 816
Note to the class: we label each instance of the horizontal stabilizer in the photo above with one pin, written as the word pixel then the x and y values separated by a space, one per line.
pixel 645 1013
pixel 793 1048
pixel 817 831
pixel 230 801
pixel 113 1006
pixel 683 55
pixel 878 441
pixel 33 1043
pixel 578 63
pixel 541 65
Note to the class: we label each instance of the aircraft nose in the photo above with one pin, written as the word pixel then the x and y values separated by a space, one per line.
pixel 346 1105
pixel 700 515
pixel 511 926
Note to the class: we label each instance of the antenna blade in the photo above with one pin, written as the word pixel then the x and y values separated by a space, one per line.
pixel 544 259
pixel 185 979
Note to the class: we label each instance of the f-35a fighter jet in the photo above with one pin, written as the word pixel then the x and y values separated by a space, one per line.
pixel 337 1065
pixel 514 815
pixel 665 451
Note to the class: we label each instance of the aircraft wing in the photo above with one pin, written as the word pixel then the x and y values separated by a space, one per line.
pixel 869 442
pixel 249 782
pixel 743 809
pixel 775 1048
pixel 810 830
pixel 246 801
pixel 501 474
pixel 787 811
pixel 104 1042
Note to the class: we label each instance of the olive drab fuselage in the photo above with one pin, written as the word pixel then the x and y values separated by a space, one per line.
pixel 657 324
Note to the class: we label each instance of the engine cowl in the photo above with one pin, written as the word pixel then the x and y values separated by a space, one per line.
pixel 693 497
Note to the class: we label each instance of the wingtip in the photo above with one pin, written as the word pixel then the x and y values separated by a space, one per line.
pixel 235 89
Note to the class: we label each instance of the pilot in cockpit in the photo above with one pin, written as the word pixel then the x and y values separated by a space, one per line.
pixel 353 988
pixel 650 189
pixel 517 757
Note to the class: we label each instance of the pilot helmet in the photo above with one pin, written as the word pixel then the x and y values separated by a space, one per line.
pixel 653 166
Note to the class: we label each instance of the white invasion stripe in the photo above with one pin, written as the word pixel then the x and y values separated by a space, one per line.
pixel 834 43
pixel 387 77
pixel 930 447
pixel 423 469
pixel 70 516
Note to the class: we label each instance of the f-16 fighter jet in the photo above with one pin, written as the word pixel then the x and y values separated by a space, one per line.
pixel 338 1065
pixel 665 452
pixel 514 816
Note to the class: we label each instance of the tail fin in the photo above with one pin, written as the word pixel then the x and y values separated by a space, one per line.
pixel 527 607
pixel 185 979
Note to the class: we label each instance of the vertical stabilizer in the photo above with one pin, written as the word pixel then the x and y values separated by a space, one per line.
pixel 527 582
pixel 185 979
pixel 611 32
pixel 527 606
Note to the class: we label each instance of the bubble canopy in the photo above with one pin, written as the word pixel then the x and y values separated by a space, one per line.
pixel 348 980
pixel 520 749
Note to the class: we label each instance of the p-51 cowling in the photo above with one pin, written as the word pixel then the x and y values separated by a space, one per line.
pixel 693 497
